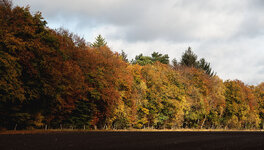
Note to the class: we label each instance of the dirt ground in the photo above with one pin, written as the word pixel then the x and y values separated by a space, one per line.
pixel 132 140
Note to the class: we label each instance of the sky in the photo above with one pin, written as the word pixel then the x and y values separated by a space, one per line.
pixel 227 33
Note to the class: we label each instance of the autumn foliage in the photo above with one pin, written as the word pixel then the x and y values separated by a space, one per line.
pixel 53 78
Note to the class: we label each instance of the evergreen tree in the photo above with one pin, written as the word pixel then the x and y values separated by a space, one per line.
pixel 206 67
pixel 142 60
pixel 159 57
pixel 155 56
pixel 189 59
pixel 174 63
pixel 99 41
pixel 124 56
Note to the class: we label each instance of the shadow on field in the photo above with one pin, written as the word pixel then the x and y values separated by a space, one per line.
pixel 133 140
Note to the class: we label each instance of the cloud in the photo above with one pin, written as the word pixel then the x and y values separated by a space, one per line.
pixel 229 34
pixel 240 58
pixel 145 20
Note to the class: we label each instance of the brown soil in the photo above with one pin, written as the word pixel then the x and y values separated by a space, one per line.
pixel 132 140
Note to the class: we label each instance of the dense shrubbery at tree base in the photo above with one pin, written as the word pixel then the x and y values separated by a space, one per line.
pixel 51 77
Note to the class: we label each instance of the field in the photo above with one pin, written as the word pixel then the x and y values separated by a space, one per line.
pixel 132 140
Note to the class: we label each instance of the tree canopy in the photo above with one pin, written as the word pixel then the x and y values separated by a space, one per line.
pixel 155 56
pixel 53 78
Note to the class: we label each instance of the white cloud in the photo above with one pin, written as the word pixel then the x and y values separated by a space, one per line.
pixel 228 33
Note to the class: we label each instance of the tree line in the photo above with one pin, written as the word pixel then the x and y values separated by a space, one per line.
pixel 54 78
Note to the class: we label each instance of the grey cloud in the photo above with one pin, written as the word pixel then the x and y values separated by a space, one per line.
pixel 171 20
pixel 240 58
pixel 228 33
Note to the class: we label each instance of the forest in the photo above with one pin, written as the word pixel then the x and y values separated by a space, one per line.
pixel 52 78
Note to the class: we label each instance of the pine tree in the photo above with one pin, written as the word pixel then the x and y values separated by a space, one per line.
pixel 99 41
pixel 206 67
pixel 174 63
pixel 159 57
pixel 124 56
pixel 189 59
pixel 155 56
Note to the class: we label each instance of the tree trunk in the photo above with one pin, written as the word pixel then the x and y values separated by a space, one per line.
pixel 15 127
pixel 203 121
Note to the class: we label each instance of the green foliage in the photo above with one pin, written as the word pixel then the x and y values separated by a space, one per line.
pixel 81 115
pixel 164 59
pixel 142 60
pixel 124 56
pixel 206 67
pixel 155 56
pixel 189 59
pixel 99 42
